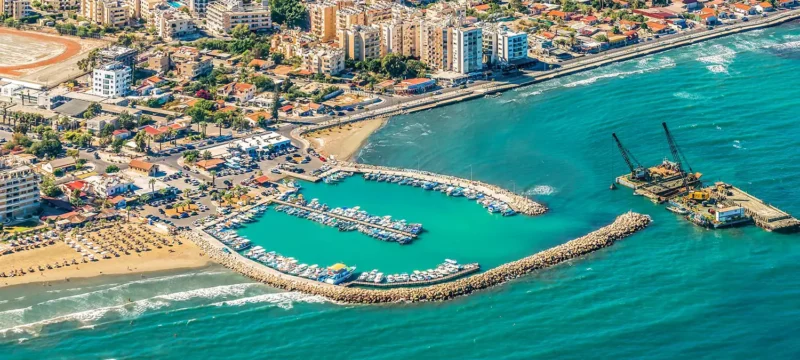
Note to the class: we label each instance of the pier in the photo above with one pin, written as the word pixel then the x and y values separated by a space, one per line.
pixel 345 218
pixel 469 269
pixel 764 215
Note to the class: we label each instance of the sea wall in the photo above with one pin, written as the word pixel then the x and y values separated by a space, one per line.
pixel 623 226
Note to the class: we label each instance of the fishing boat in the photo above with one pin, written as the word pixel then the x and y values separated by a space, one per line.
pixel 678 210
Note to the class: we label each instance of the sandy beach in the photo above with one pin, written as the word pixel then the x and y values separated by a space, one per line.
pixel 342 142
pixel 178 256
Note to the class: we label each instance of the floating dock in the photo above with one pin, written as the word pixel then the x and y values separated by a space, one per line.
pixel 345 218
pixel 468 269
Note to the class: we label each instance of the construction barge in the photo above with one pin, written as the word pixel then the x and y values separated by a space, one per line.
pixel 718 206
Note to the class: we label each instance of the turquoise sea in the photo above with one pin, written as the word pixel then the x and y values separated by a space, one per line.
pixel 671 291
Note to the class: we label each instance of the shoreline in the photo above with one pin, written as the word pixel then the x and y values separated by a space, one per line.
pixel 530 78
pixel 175 255
pixel 344 143
pixel 623 226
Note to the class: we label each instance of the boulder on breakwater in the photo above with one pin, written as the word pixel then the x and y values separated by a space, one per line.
pixel 623 226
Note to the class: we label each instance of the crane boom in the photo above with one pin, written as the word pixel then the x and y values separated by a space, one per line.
pixel 637 170
pixel 677 155
pixel 626 155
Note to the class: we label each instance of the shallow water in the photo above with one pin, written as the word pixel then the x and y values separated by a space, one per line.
pixel 673 290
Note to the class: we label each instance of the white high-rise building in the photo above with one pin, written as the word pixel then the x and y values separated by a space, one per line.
pixel 19 192
pixel 502 46
pixel 467 50
pixel 111 80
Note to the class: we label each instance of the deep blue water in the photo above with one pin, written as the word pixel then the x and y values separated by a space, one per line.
pixel 673 290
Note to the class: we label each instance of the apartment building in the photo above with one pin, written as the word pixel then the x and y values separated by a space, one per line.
pixel 360 42
pixel 434 45
pixel 323 60
pixel 105 12
pixel 125 55
pixel 198 7
pixel 348 17
pixel 323 20
pixel 147 9
pixel 19 192
pixel 223 16
pixel 398 37
pixel 189 64
pixel 17 9
pixel 172 23
pixel 379 11
pixel 63 5
pixel 111 80
pixel 467 49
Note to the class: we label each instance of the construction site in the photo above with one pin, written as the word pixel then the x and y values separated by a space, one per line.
pixel 716 206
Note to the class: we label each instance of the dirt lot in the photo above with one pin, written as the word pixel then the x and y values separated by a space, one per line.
pixel 42 58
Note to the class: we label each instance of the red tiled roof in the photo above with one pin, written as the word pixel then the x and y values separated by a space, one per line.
pixel 75 185
pixel 415 81
pixel 262 179
pixel 286 108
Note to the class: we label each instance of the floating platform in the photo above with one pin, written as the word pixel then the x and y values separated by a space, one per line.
pixel 660 190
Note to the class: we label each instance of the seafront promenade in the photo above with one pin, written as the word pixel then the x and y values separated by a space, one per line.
pixel 623 226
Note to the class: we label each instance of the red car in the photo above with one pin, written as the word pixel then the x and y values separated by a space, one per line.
pixel 323 159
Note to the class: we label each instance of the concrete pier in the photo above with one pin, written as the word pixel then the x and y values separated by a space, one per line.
pixel 624 225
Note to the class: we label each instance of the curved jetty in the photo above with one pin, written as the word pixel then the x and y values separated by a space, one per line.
pixel 623 226
pixel 519 203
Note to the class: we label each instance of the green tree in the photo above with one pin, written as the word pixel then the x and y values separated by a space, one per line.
pixel 393 65
pixel 48 187
pixel 291 13
pixel 110 169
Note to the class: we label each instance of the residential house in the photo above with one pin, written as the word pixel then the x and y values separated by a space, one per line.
pixel 143 167
pixel 65 164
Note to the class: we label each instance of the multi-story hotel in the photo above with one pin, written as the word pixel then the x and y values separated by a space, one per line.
pixel 360 42
pixel 19 192
pixel 223 16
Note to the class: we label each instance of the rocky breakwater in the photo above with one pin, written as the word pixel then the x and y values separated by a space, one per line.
pixel 623 226
pixel 519 203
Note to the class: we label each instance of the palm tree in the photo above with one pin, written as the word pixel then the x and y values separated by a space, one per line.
pixel 128 211
pixel 219 121
pixel 213 178
pixel 160 138
pixel 152 183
